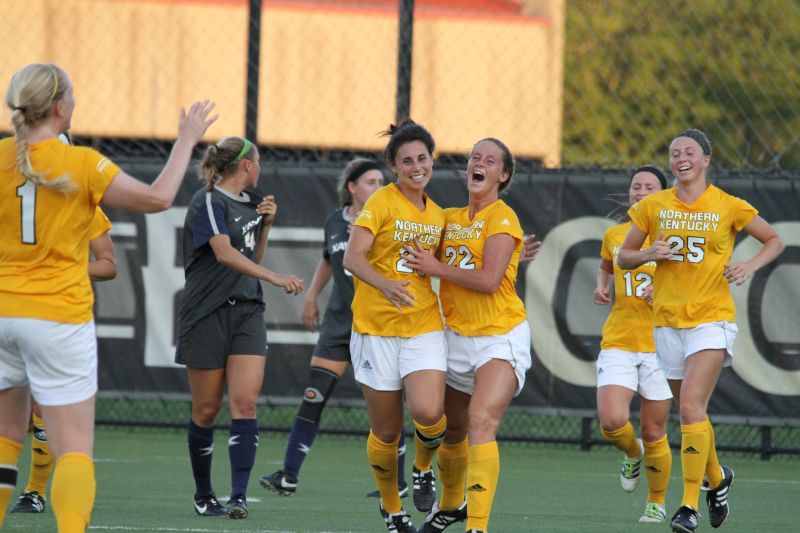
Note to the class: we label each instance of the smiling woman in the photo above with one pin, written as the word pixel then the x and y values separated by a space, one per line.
pixel 692 228
pixel 397 341
pixel 487 333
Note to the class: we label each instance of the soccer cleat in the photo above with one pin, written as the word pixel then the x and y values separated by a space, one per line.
pixel 402 490
pixel 424 484
pixel 717 499
pixel 208 506
pixel 685 520
pixel 631 470
pixel 278 482
pixel 29 502
pixel 397 522
pixel 438 520
pixel 237 506
pixel 477 531
pixel 654 513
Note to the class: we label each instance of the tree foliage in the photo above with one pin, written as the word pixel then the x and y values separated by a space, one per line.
pixel 639 71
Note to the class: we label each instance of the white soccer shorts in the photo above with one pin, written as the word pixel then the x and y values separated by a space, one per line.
pixel 675 345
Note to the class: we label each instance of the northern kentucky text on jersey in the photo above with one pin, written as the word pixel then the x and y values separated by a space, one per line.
pixel 459 232
pixel 681 220
pixel 429 234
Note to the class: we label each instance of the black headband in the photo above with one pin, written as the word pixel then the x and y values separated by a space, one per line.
pixel 652 170
pixel 699 137
pixel 362 169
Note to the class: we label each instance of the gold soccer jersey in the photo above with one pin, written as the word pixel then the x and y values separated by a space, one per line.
pixel 100 224
pixel 395 221
pixel 474 313
pixel 44 245
pixel 691 288
pixel 629 327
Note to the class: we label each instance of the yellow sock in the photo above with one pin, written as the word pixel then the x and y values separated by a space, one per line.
pixel 657 468
pixel 41 459
pixel 72 493
pixel 624 438
pixel 383 460
pixel 482 474
pixel 9 454
pixel 427 440
pixel 452 461
pixel 694 454
pixel 713 468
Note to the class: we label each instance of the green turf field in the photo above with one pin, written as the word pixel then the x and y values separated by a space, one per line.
pixel 144 484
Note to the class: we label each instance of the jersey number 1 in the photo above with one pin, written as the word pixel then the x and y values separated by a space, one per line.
pixel 27 195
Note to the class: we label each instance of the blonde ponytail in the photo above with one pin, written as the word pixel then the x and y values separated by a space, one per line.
pixel 31 95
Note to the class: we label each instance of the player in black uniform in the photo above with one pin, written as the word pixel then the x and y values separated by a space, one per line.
pixel 360 178
pixel 221 332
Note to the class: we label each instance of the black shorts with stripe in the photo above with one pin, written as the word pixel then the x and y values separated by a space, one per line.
pixel 235 328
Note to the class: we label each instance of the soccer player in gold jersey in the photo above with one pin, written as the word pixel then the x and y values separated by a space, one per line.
pixel 692 228
pixel 397 341
pixel 487 332
pixel 49 193
pixel 627 362
pixel 102 268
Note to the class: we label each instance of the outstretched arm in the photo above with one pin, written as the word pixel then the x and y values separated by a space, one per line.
pixel 130 194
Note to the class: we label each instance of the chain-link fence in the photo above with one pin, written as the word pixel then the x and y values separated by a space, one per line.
pixel 565 83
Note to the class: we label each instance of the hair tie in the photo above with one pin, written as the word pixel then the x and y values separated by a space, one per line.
pixel 55 83
pixel 245 149
pixel 699 137
pixel 362 169
pixel 19 108
pixel 654 170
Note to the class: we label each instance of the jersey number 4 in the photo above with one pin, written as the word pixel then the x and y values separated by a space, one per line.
pixel 27 196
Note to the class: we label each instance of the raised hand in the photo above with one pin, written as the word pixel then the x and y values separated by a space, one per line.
pixel 194 122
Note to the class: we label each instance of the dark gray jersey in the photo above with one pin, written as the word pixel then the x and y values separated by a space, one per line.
pixel 209 284
pixel 337 321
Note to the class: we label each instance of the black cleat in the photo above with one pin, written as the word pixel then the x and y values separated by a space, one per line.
pixel 717 499
pixel 402 490
pixel 29 502
pixel 237 507
pixel 438 520
pixel 685 520
pixel 208 505
pixel 280 483
pixel 424 484
pixel 398 522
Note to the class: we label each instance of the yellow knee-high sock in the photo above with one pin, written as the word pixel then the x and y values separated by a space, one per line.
pixel 694 454
pixel 657 468
pixel 72 493
pixel 713 468
pixel 41 459
pixel 452 461
pixel 383 460
pixel 427 440
pixel 9 454
pixel 624 438
pixel 483 471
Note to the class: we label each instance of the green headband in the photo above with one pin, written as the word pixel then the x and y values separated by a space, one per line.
pixel 55 84
pixel 245 148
